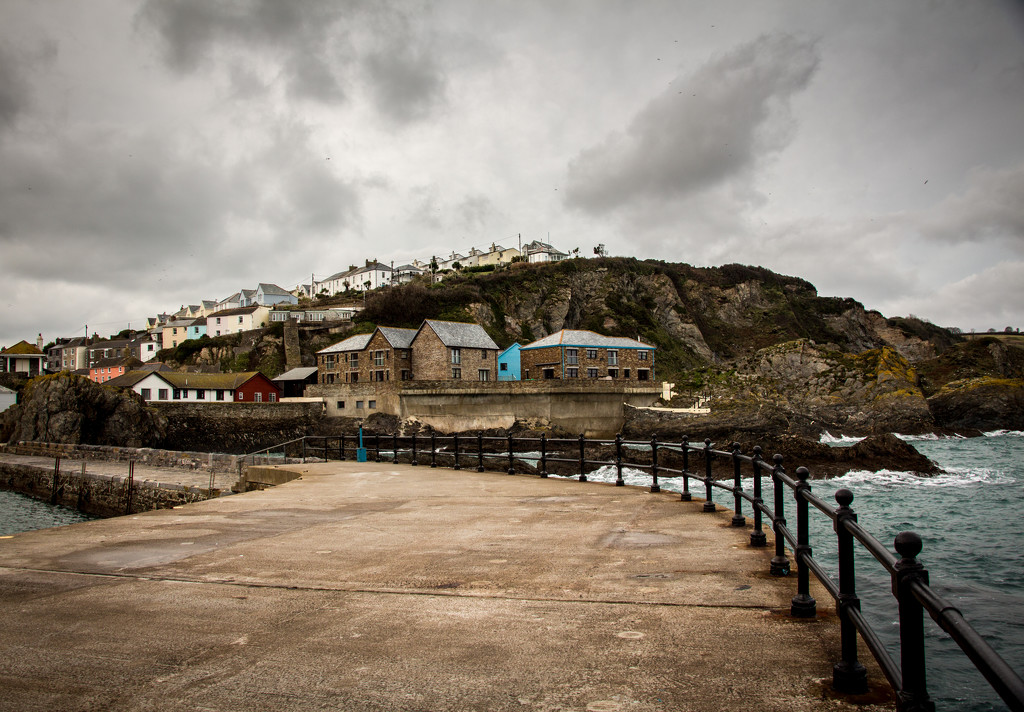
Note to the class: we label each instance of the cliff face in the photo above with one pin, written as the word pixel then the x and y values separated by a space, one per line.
pixel 697 317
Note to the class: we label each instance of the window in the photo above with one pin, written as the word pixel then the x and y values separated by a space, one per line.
pixel 456 374
pixel 147 394
pixel 341 405
pixel 502 366
pixel 161 394
pixel 483 354
pixel 258 397
pixel 378 358
pixel 359 405
pixel 218 321
pixel 484 374
pixel 641 355
pixel 404 353
pixel 456 355
pixel 176 394
pixel 220 394
pixel 355 378
pixel 572 372
pixel 371 404
pixel 642 374
pixel 273 397
pixel 241 396
pixel 406 374
pixel 239 320
pixel 572 356
pixel 613 358
pixel 329 361
pixel 591 353
pixel 353 360
pixel 613 372
pixel 200 394
pixel 625 373
pixel 591 373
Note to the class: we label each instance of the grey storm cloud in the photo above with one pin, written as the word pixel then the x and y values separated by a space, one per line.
pixel 991 208
pixel 701 130
pixel 321 48
pixel 16 66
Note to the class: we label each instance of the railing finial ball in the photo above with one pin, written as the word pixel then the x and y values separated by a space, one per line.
pixel 757 450
pixel 735 447
pixel 844 497
pixel 707 441
pixel 777 459
pixel 908 544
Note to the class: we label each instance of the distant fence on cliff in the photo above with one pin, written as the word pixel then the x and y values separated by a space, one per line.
pixel 724 471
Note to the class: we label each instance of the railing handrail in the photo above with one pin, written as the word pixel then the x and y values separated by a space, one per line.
pixel 909 579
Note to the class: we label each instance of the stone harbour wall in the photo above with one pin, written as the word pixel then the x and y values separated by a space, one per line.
pixel 102 495
pixel 216 462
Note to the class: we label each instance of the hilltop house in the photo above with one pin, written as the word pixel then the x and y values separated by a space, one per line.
pixel 232 321
pixel 67 354
pixel 23 358
pixel 537 251
pixel 574 353
pixel 174 332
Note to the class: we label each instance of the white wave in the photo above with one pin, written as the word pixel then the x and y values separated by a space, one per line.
pixel 952 477
pixel 828 438
pixel 1004 433
pixel 927 437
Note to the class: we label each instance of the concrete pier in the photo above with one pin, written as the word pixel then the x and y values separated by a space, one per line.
pixel 372 586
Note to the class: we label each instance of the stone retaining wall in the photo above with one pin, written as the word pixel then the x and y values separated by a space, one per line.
pixel 102 495
pixel 203 461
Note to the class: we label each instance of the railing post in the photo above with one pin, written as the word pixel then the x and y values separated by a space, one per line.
pixel 709 504
pixel 479 452
pixel 913 697
pixel 685 495
pixel 511 462
pixel 376 447
pixel 413 447
pixel 655 487
pixel 56 478
pixel 619 482
pixel 341 447
pixel 303 448
pixel 848 675
pixel 394 447
pixel 738 520
pixel 433 449
pixel 780 563
pixel 455 445
pixel 803 604
pixel 583 461
pixel 757 537
pixel 131 486
pixel 543 455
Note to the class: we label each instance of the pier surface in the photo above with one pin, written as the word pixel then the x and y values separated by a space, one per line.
pixel 373 586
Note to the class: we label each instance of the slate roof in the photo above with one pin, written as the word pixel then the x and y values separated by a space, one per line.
pixel 273 289
pixel 459 334
pixel 233 312
pixel 117 361
pixel 226 381
pixel 398 338
pixel 352 343
pixel 297 374
pixel 128 380
pixel 584 339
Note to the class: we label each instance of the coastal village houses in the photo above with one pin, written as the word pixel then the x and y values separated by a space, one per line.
pixel 172 386
pixel 24 359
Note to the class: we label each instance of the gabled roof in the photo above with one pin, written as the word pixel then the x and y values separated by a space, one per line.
pixel 225 381
pixel 398 338
pixel 352 343
pixel 22 348
pixel 514 347
pixel 460 334
pixel 178 322
pixel 117 361
pixel 201 321
pixel 233 298
pixel 109 344
pixel 128 380
pixel 273 289
pixel 582 338
pixel 5 389
pixel 234 312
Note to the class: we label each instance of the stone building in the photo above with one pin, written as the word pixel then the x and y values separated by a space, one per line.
pixel 577 354
pixel 381 356
pixel 453 351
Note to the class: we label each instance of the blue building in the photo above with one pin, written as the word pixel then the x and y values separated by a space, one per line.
pixel 508 364
pixel 196 329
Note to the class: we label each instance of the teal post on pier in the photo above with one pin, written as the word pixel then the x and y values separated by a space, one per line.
pixel 361 451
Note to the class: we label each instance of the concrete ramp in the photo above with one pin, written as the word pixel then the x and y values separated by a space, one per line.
pixel 371 586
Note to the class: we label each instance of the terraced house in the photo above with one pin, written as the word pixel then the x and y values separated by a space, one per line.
pixel 382 356
pixel 577 354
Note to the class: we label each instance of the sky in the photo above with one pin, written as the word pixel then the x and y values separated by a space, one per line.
pixel 158 153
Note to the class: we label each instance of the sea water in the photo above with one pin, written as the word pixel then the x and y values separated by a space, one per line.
pixel 21 513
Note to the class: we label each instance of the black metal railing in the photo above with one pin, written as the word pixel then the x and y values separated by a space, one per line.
pixel 579 457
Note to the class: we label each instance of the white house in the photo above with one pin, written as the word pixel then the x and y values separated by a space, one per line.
pixel 537 251
pixel 232 321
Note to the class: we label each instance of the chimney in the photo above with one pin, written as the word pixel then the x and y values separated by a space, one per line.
pixel 39 342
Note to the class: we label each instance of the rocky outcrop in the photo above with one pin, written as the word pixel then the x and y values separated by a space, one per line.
pixel 979 404
pixel 64 408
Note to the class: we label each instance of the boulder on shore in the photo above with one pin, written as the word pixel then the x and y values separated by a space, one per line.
pixel 64 408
